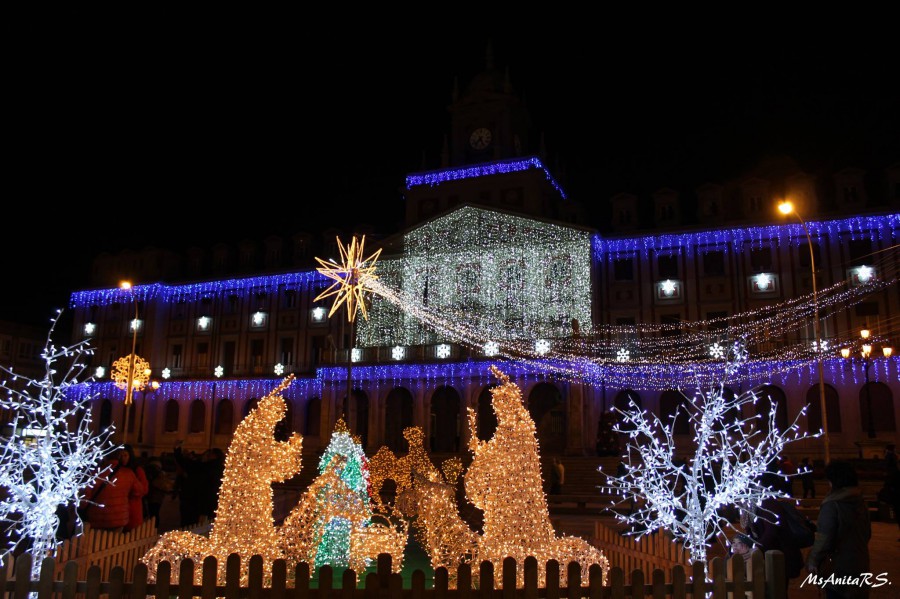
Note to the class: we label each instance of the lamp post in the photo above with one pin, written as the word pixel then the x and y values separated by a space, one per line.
pixel 129 390
pixel 865 350
pixel 786 208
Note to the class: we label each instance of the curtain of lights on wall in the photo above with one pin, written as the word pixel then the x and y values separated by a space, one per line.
pixel 511 277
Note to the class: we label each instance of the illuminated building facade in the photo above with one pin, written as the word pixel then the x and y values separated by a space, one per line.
pixel 493 241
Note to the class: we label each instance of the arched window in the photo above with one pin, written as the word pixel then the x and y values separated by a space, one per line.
pixel 285 427
pixel 486 420
pixel 445 422
pixel 672 404
pixel 313 417
pixel 250 406
pixel 172 415
pixel 224 417
pixel 397 417
pixel 548 410
pixel 198 416
pixel 882 400
pixel 814 409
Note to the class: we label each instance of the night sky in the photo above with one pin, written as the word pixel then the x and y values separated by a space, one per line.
pixel 172 129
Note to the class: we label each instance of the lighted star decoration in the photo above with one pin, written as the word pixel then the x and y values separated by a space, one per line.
pixel 541 347
pixel 668 287
pixel 623 355
pixel 763 281
pixel 279 369
pixel 219 371
pixel 352 277
pixel 716 351
pixel 815 346
pixel 166 373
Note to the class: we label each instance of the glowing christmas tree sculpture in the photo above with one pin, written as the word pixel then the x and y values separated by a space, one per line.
pixel 333 523
pixel 51 452
pixel 243 522
pixel 729 455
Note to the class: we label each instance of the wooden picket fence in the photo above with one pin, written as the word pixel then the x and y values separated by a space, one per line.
pixel 724 581
pixel 651 552
pixel 107 549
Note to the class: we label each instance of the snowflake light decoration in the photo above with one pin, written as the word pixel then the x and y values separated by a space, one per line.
pixel 443 351
pixel 716 351
pixel 279 369
pixel 352 277
pixel 100 372
pixel 864 273
pixel 166 373
pixel 668 287
pixel 491 348
pixel 89 328
pixel 542 347
pixel 219 371
pixel 356 354
pixel 140 374
pixel 623 355
pixel 398 353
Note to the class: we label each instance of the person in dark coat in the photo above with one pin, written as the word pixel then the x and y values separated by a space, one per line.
pixel 842 540
pixel 765 525
pixel 807 478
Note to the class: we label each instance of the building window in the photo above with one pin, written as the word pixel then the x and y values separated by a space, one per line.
pixel 234 304
pixel 804 255
pixel 290 298
pixel 667 267
pixel 761 259
pixel 287 350
pixel 714 263
pixel 224 417
pixel 850 194
pixel 172 414
pixel 256 352
pixel 202 355
pixel 198 416
pixel 623 269
pixel 176 355
pixel 860 251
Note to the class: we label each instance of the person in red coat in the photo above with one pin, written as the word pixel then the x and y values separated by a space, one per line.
pixel 136 498
pixel 110 499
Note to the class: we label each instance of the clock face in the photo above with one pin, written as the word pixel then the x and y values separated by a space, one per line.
pixel 480 138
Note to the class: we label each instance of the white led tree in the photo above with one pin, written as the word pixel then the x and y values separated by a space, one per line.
pixel 729 453
pixel 49 452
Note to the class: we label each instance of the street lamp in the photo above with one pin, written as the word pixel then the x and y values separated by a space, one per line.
pixel 129 390
pixel 865 350
pixel 786 207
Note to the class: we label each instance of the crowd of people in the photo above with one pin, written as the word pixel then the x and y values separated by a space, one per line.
pixel 180 488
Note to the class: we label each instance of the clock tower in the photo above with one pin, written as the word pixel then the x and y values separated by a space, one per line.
pixel 488 121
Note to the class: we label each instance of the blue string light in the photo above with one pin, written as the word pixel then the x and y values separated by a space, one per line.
pixel 189 292
pixel 433 178
pixel 651 377
pixel 886 228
